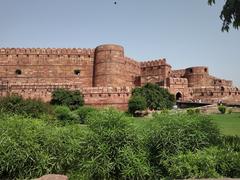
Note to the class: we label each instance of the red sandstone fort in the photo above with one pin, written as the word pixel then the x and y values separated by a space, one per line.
pixel 104 75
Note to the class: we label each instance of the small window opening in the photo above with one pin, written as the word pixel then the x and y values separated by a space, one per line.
pixel 205 69
pixel 77 72
pixel 18 72
pixel 190 70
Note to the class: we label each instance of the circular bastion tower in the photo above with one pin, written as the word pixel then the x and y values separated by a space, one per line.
pixel 197 76
pixel 109 66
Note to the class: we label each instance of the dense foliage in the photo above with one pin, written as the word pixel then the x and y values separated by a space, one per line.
pixel 110 146
pixel 27 107
pixel 222 109
pixel 156 97
pixel 173 134
pixel 83 113
pixel 136 103
pixel 31 148
pixel 230 14
pixel 113 150
pixel 72 99
pixel 207 163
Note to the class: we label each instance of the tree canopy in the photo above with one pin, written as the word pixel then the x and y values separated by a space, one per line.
pixel 230 14
pixel 156 97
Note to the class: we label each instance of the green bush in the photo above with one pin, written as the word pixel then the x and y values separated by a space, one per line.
pixel 197 111
pixel 83 113
pixel 171 134
pixel 113 151
pixel 156 97
pixel 222 109
pixel 31 148
pixel 136 103
pixel 63 113
pixel 231 142
pixel 72 99
pixel 207 163
pixel 27 107
pixel 229 111
pixel 192 111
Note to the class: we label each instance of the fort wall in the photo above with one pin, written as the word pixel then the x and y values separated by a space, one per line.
pixel 154 71
pixel 104 75
pixel 197 76
pixel 47 66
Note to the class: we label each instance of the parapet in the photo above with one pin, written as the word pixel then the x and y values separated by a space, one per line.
pixel 197 70
pixel 102 90
pixel 67 51
pixel 153 63
pixel 109 47
pixel 178 80
pixel 132 62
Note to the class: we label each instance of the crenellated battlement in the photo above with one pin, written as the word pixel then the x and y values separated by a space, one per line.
pixel 103 74
pixel 102 90
pixel 152 63
pixel 178 80
pixel 132 62
pixel 49 51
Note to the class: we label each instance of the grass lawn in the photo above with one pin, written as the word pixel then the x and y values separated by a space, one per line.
pixel 229 124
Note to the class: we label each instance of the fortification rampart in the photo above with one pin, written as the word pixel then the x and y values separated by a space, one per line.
pixel 104 75
pixel 95 96
pixel 154 71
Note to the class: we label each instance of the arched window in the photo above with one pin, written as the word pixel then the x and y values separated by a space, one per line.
pixel 178 96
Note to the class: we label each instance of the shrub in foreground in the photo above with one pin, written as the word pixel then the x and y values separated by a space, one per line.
pixel 27 107
pixel 31 148
pixel 83 113
pixel 63 113
pixel 231 142
pixel 207 163
pixel 113 150
pixel 171 135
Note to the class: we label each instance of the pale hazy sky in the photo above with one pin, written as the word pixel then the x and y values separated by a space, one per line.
pixel 186 33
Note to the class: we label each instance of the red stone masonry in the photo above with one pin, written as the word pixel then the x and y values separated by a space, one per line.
pixel 104 75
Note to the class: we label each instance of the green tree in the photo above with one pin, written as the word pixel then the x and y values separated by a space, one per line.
pixel 136 103
pixel 156 97
pixel 72 99
pixel 230 14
